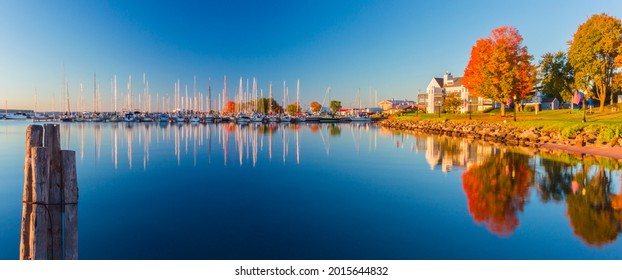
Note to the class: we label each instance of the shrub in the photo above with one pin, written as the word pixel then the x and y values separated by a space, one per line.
pixel 571 131
pixel 610 133
pixel 606 134
pixel 530 109
pixel 488 110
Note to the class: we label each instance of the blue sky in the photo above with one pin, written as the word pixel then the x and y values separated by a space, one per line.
pixel 395 47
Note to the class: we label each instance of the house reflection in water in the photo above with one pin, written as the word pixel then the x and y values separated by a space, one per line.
pixel 448 153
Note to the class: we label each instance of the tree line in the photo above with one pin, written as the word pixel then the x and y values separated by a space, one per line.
pixel 269 105
pixel 500 67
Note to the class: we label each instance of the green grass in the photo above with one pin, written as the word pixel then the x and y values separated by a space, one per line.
pixel 607 124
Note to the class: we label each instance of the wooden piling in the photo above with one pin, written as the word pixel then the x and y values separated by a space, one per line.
pixel 34 138
pixel 39 220
pixel 70 193
pixel 50 200
pixel 52 143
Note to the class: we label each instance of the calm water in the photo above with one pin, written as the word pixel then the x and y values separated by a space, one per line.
pixel 310 191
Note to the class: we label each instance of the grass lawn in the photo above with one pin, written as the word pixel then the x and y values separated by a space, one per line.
pixel 607 124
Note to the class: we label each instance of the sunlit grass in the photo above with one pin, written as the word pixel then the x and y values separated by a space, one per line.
pixel 608 124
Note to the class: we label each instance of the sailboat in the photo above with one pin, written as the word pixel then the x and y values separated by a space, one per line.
pixel 326 118
pixel 67 117
pixel 360 116
pixel 210 117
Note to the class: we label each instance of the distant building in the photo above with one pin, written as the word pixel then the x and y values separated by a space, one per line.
pixel 395 104
pixel 544 103
pixel 374 110
pixel 439 88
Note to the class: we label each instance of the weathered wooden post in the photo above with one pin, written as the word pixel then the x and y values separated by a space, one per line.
pixel 39 220
pixel 52 142
pixel 50 200
pixel 70 193
pixel 34 138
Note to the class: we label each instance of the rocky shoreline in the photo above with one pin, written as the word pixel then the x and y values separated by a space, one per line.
pixel 584 142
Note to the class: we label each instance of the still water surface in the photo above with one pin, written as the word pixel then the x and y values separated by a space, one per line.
pixel 316 191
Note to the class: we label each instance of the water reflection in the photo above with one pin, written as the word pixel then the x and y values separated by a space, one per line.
pixel 497 190
pixel 242 143
pixel 497 182
pixel 593 209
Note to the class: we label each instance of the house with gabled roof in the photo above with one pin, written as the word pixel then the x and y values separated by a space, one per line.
pixel 439 88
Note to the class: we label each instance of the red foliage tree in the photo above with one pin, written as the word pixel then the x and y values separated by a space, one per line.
pixel 230 107
pixel 499 67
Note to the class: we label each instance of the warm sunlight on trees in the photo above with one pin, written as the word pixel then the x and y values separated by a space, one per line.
pixel 230 108
pixel 294 108
pixel 593 51
pixel 316 106
pixel 335 105
pixel 499 67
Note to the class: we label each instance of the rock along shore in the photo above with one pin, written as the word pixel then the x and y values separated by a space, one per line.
pixel 584 142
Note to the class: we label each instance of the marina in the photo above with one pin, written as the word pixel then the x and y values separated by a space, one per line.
pixel 192 190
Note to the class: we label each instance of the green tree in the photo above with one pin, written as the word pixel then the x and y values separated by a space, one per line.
pixel 452 102
pixel 556 75
pixel 499 67
pixel 294 108
pixel 593 51
pixel 263 105
pixel 316 106
pixel 335 105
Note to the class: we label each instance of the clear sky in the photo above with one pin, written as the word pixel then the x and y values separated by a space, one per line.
pixel 395 46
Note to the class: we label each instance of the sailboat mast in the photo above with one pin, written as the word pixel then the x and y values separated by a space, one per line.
pixel 129 93
pixel 81 98
pixel 270 100
pixel 240 89
pixel 67 96
pixel 209 94
pixel 298 107
pixel 35 116
pixel 94 92
pixel 115 94
pixel 224 96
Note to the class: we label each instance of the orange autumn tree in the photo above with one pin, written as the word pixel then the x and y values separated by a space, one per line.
pixel 500 68
pixel 230 107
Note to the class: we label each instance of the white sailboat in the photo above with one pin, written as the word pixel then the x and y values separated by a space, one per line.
pixel 13 115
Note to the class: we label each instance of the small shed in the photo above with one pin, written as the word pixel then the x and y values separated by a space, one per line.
pixel 549 103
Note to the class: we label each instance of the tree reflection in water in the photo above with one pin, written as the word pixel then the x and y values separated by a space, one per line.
pixel 556 183
pixel 497 189
pixel 594 212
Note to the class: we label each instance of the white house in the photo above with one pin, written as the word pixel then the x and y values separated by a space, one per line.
pixel 438 88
